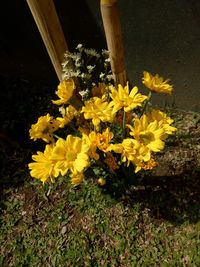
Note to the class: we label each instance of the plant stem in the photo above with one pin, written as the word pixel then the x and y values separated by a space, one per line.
pixel 56 136
pixel 124 123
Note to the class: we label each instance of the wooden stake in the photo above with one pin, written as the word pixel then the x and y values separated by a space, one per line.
pixel 47 21
pixel 113 34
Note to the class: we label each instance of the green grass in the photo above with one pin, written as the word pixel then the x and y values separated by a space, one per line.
pixel 62 226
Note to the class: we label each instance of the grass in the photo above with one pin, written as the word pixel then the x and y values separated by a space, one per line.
pixel 151 221
pixel 87 227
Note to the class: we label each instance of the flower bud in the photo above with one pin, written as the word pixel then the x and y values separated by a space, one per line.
pixel 101 181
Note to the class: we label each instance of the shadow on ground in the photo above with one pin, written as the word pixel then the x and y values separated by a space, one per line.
pixel 21 103
pixel 172 198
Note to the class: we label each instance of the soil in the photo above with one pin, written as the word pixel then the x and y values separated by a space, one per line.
pixel 182 151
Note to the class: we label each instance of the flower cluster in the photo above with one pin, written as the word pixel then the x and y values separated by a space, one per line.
pixel 101 127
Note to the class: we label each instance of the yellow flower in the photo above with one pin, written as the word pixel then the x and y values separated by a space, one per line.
pixel 44 128
pixel 77 178
pixel 98 110
pixel 143 156
pixel 91 141
pixel 149 134
pixel 156 83
pixel 44 167
pixel 68 114
pixel 163 120
pixel 117 148
pixel 97 140
pixel 70 154
pixel 129 150
pixel 121 98
pixel 103 139
pixel 64 92
pixel 134 151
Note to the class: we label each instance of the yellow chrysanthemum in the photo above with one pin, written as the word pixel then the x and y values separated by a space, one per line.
pixel 64 92
pixel 68 114
pixel 132 151
pixel 44 128
pixel 77 178
pixel 156 83
pixel 98 110
pixel 144 156
pixel 97 140
pixel 103 139
pixel 121 98
pixel 70 154
pixel 163 120
pixel 149 134
pixel 44 167
pixel 91 141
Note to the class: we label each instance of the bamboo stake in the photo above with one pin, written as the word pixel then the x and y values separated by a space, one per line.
pixel 47 21
pixel 113 34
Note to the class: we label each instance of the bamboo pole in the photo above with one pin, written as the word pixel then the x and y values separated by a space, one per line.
pixel 48 24
pixel 112 27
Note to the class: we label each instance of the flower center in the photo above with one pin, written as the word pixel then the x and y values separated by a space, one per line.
pixel 46 130
pixel 147 137
pixel 70 156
